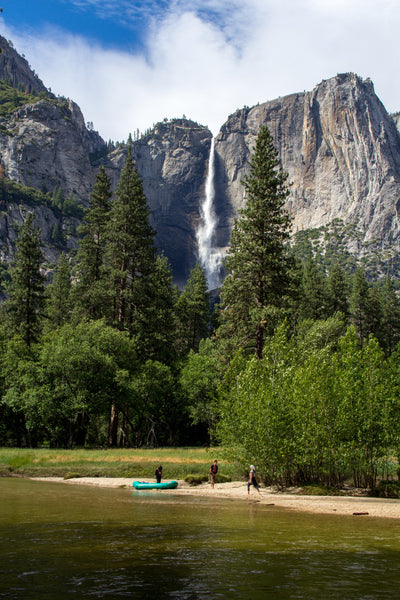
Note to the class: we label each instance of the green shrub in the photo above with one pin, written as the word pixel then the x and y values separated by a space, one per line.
pixel 196 479
pixel 219 478
pixel 386 489
pixel 71 475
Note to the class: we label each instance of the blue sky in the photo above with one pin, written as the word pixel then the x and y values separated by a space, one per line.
pixel 120 25
pixel 131 63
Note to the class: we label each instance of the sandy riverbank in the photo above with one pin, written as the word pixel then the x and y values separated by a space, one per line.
pixel 237 490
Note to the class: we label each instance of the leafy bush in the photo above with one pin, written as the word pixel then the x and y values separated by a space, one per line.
pixel 196 479
pixel 386 489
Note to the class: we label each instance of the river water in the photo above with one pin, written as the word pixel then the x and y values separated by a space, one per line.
pixel 64 541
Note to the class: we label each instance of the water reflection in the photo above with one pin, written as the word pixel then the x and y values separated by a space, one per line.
pixel 58 541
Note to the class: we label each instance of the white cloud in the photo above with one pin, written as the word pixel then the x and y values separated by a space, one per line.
pixel 205 65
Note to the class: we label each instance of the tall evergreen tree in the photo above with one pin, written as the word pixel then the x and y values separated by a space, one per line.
pixel 159 327
pixel 374 315
pixel 390 317
pixel 58 295
pixel 24 306
pixel 338 291
pixel 131 250
pixel 359 305
pixel 313 292
pixel 92 290
pixel 131 262
pixel 257 265
pixel 193 311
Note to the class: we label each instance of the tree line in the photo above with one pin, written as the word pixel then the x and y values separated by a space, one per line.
pixel 94 356
pixel 312 395
pixel 296 369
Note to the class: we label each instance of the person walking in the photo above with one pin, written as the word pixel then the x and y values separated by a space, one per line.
pixel 213 472
pixel 252 480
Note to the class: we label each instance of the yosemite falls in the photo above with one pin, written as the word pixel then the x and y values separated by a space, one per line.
pixel 210 258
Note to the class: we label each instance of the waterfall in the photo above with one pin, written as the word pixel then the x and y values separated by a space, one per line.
pixel 210 257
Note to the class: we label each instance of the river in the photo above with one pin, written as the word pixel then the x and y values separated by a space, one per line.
pixel 59 542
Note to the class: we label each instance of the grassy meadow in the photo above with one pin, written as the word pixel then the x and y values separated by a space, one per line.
pixel 177 463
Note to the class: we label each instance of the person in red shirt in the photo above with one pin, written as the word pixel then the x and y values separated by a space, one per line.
pixel 213 472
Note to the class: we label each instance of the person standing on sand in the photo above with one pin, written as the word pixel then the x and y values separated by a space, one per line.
pixel 213 472
pixel 158 474
pixel 252 480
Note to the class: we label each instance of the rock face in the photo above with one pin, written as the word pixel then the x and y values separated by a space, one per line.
pixel 338 144
pixel 341 151
pixel 172 162
pixel 47 146
pixel 46 219
pixel 16 69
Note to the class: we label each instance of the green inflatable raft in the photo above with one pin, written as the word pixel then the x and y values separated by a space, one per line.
pixel 146 485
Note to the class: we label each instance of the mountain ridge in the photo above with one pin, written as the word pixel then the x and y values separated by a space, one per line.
pixel 339 145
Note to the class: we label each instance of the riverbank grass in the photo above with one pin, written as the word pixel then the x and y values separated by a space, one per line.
pixel 178 463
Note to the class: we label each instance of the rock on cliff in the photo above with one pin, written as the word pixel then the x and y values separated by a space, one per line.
pixel 341 151
pixel 172 162
pixel 46 145
pixel 16 69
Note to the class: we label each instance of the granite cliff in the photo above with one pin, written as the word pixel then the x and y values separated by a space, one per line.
pixel 341 151
pixel 338 144
pixel 172 162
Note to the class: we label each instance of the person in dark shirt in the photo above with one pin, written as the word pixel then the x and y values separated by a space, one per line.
pixel 158 474
pixel 213 472
pixel 252 480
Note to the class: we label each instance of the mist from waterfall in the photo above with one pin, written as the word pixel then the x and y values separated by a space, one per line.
pixel 210 257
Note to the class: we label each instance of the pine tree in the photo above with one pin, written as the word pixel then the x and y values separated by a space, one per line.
pixel 131 250
pixel 91 292
pixel 374 315
pixel 338 291
pixel 193 312
pixel 359 305
pixel 390 317
pixel 58 294
pixel 159 331
pixel 25 292
pixel 313 292
pixel 131 262
pixel 257 265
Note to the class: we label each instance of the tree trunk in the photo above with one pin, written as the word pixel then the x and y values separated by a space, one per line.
pixel 113 426
pixel 259 341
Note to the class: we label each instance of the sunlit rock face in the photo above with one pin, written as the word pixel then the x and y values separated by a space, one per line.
pixel 341 151
pixel 45 144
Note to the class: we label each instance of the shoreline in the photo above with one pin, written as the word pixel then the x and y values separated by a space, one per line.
pixel 237 490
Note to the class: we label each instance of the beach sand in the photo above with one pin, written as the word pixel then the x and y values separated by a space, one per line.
pixel 360 507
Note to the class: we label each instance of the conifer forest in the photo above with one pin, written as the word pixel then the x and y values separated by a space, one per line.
pixel 295 366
